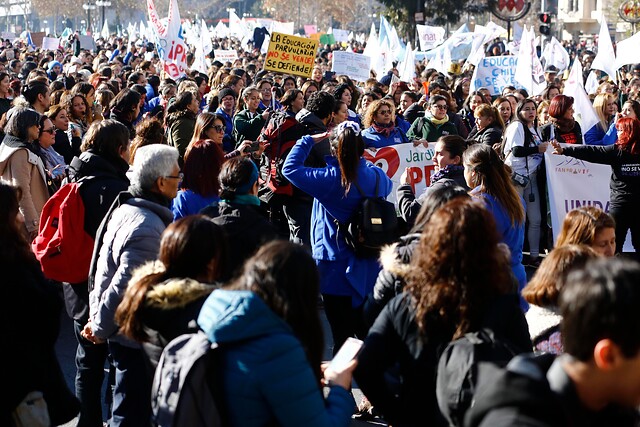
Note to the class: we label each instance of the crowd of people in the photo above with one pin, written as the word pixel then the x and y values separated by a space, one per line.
pixel 217 203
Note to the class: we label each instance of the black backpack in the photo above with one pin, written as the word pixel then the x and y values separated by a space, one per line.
pixel 185 388
pixel 374 225
pixel 457 375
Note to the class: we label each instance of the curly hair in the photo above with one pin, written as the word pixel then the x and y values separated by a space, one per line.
pixel 372 110
pixel 457 268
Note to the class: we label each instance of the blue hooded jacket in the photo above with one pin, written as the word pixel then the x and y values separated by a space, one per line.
pixel 266 374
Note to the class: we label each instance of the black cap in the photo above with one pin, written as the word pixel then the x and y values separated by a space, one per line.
pixel 226 92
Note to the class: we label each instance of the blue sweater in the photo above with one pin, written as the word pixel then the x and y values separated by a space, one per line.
pixel 512 235
pixel 375 139
pixel 597 136
pixel 266 374
pixel 189 203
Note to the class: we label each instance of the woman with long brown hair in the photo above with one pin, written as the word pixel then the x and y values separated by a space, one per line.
pixel 458 282
pixel 490 181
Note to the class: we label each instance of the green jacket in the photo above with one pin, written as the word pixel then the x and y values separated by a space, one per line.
pixel 180 126
pixel 246 128
pixel 423 128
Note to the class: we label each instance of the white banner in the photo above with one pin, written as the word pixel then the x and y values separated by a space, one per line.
pixel 340 35
pixel 573 183
pixel 430 37
pixel 494 73
pixel 50 43
pixel 354 65
pixel 225 55
pixel 396 158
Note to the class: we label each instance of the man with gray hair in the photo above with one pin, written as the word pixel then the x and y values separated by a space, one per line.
pixel 128 237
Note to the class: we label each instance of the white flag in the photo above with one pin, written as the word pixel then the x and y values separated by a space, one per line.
pixel 555 54
pixel 605 60
pixel 584 112
pixel 104 33
pixel 408 67
pixel 627 51
pixel 592 83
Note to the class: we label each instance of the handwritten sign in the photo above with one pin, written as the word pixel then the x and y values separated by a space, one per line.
pixel 354 65
pixel 495 73
pixel 291 55
pixel 430 37
pixel 50 43
pixel 225 55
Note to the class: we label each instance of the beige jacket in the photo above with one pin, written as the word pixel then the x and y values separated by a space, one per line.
pixel 23 168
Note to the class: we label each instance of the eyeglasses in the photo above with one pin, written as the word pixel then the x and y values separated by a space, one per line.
pixel 49 131
pixel 384 112
pixel 440 106
pixel 179 177
pixel 218 128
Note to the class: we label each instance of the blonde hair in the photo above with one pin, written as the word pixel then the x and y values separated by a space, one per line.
pixel 600 105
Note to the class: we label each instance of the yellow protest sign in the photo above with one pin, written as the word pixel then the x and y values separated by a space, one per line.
pixel 291 55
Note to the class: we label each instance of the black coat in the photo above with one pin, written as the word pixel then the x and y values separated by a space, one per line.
pixel 395 339
pixel 67 149
pixel 107 180
pixel 246 229
pixel 489 136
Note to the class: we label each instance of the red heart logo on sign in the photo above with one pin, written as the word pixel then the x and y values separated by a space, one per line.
pixel 386 159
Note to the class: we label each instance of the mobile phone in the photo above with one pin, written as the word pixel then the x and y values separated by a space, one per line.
pixel 255 146
pixel 346 354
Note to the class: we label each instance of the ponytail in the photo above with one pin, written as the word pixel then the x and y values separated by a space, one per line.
pixel 349 149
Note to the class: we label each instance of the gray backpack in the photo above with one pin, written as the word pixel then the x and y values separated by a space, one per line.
pixel 184 392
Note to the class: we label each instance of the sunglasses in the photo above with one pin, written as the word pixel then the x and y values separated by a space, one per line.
pixel 49 131
pixel 384 112
pixel 217 128
pixel 439 106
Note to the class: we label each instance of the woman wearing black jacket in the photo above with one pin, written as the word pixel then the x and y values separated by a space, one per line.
pixel 624 159
pixel 103 165
pixel 60 119
pixel 458 282
pixel 489 125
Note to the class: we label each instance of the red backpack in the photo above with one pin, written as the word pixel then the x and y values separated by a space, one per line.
pixel 62 246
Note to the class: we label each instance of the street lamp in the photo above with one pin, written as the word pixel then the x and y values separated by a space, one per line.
pixel 89 7
pixel 103 4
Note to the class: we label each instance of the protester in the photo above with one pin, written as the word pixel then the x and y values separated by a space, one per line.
pixel 395 258
pixel 458 282
pixel 227 101
pixel 435 123
pixel 125 108
pixel 5 91
pixel 504 108
pixel 379 126
pixel 523 151
pixel 29 297
pixel 54 164
pixel 148 131
pixel 103 165
pixel 20 164
pixel 562 127
pixel 604 132
pixel 489 125
pixel 131 237
pixel 623 157
pixel 469 106
pixel 448 171
pixel 180 121
pixel 271 341
pixel 489 179
pixel 590 226
pixel 248 122
pixel 542 293
pixel 595 382
pixel 345 279
pixel 199 179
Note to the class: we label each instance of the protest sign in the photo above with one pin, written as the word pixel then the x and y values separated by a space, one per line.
pixel 50 43
pixel 37 37
pixel 229 55
pixel 86 42
pixel 310 29
pixel 494 73
pixel 170 43
pixel 354 65
pixel 291 55
pixel 327 39
pixel 573 183
pixel 340 35
pixel 6 35
pixel 396 158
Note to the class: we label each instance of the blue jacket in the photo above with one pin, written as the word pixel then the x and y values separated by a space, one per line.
pixel 330 202
pixel 375 139
pixel 266 374
pixel 228 143
pixel 512 235
pixel 597 136
pixel 188 202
